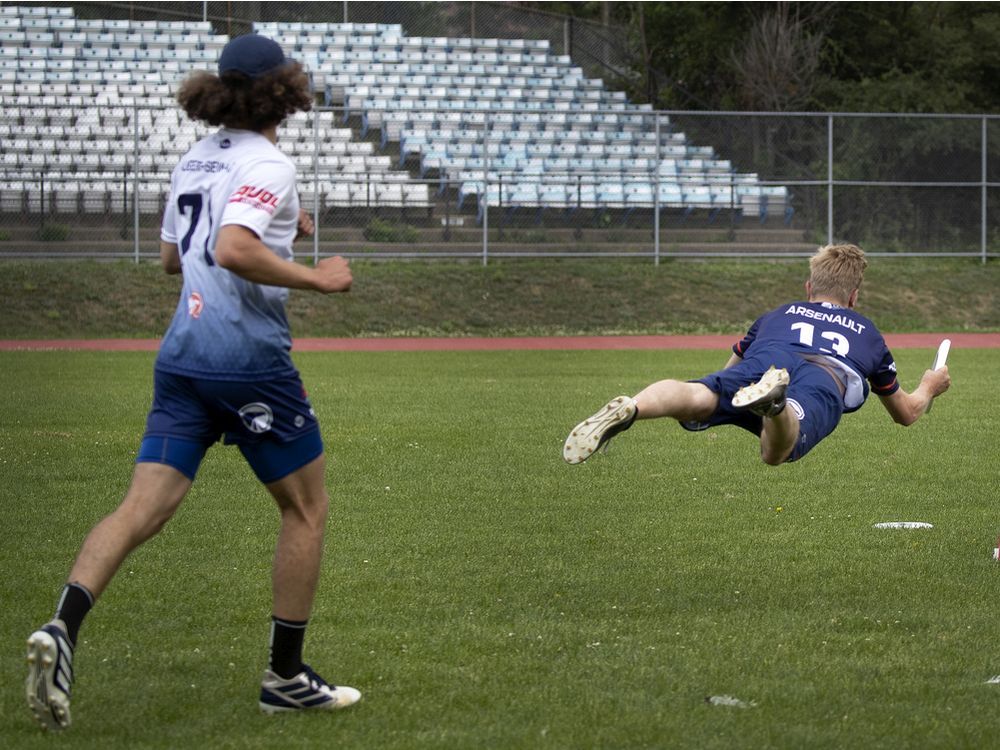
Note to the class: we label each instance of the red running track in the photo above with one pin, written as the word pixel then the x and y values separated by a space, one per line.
pixel 723 342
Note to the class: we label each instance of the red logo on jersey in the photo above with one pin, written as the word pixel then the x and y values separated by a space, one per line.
pixel 195 305
pixel 256 197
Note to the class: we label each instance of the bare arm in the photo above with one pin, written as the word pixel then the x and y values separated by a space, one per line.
pixel 906 408
pixel 170 258
pixel 734 359
pixel 240 250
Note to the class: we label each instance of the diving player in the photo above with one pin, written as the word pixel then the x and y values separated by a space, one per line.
pixel 799 368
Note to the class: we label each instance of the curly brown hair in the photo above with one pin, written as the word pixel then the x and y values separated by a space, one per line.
pixel 238 101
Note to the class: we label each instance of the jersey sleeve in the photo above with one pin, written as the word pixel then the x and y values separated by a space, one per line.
pixel 168 228
pixel 883 380
pixel 263 187
pixel 741 346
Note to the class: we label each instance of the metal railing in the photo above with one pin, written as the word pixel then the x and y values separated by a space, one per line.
pixel 898 184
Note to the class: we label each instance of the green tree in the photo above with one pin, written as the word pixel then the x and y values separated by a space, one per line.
pixel 879 56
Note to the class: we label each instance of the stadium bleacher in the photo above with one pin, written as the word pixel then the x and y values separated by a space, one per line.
pixel 497 122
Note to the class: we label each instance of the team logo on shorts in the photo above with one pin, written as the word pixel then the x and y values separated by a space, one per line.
pixel 195 305
pixel 800 413
pixel 257 417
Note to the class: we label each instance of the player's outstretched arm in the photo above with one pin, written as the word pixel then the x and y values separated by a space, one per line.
pixel 906 408
pixel 240 250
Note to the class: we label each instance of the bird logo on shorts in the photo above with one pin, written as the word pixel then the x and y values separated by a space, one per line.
pixel 257 417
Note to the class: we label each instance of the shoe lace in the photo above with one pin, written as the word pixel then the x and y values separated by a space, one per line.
pixel 315 681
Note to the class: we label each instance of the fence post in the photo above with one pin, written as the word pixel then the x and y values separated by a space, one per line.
pixel 486 188
pixel 829 179
pixel 315 187
pixel 656 198
pixel 982 237
pixel 135 181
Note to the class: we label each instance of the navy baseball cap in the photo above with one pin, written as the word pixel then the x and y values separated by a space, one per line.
pixel 251 54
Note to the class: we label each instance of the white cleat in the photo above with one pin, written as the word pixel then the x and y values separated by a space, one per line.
pixel 305 691
pixel 50 675
pixel 766 397
pixel 615 416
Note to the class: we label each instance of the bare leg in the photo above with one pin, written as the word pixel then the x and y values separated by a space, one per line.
pixel 302 499
pixel 152 498
pixel 673 398
pixel 778 437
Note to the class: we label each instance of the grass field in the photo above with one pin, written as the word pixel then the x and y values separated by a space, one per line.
pixel 483 594
pixel 73 299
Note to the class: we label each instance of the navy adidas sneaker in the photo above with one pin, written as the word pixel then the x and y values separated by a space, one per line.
pixel 50 675
pixel 306 690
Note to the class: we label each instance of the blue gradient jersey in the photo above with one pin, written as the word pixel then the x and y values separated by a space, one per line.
pixel 847 342
pixel 227 328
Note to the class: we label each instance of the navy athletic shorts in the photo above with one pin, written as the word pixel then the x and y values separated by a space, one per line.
pixel 812 394
pixel 271 421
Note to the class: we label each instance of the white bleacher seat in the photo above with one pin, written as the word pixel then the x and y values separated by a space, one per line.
pixel 553 195
pixel 611 194
pixel 94 197
pixel 67 196
pixel 639 194
pixel 336 194
pixel 522 194
pixel 95 53
pixel 748 197
pixel 204 55
pixel 671 195
pixel 697 196
pixel 773 201
pixel 722 196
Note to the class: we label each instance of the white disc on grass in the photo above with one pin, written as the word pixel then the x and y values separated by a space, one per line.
pixel 903 525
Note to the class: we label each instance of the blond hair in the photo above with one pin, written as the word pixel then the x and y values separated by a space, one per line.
pixel 836 271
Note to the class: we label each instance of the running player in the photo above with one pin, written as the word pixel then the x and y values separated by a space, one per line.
pixel 224 370
pixel 789 380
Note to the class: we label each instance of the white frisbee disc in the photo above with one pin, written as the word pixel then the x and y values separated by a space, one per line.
pixel 941 359
pixel 903 525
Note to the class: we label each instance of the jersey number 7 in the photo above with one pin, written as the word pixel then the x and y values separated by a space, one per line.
pixel 193 201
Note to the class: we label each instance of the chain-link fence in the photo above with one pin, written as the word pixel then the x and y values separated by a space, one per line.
pixel 463 130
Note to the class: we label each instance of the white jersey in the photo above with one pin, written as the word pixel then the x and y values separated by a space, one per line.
pixel 227 328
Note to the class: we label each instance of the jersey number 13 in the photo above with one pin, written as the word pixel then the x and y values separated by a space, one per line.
pixel 807 334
